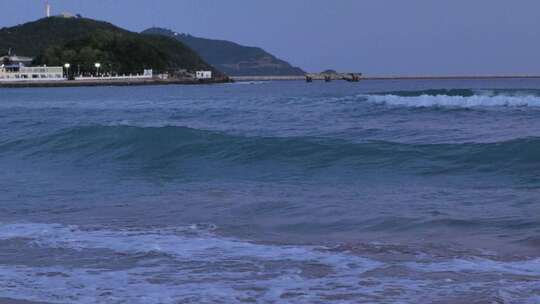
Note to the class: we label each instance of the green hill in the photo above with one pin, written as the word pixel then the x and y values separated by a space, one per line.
pixel 232 58
pixel 83 42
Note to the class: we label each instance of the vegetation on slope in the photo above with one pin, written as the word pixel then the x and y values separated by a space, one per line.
pixel 83 42
pixel 232 58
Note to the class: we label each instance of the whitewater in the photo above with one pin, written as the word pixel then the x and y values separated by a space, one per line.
pixel 272 192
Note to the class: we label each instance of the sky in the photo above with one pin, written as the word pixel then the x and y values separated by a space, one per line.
pixel 376 37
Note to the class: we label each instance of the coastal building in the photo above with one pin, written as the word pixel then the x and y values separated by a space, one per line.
pixel 62 15
pixel 15 60
pixel 67 15
pixel 203 75
pixel 16 68
pixel 11 73
pixel 148 73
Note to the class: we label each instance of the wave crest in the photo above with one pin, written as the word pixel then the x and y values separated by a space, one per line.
pixel 458 98
pixel 160 147
pixel 432 92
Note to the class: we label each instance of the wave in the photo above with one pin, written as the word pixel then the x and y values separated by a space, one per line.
pixel 169 266
pixel 463 92
pixel 169 145
pixel 432 92
pixel 458 98
pixel 186 243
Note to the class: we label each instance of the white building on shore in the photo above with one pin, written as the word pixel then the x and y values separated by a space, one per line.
pixel 201 75
pixel 11 73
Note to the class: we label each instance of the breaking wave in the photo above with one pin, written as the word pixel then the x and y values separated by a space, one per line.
pixel 204 268
pixel 188 243
pixel 458 98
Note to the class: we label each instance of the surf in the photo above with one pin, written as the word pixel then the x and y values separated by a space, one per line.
pixel 458 98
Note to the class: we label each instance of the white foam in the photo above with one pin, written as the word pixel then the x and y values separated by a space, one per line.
pixel 209 269
pixel 524 267
pixel 83 286
pixel 481 100
pixel 203 245
pixel 204 270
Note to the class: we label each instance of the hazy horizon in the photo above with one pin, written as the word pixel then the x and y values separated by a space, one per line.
pixel 374 37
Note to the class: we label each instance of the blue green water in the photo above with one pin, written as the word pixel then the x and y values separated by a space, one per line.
pixel 376 192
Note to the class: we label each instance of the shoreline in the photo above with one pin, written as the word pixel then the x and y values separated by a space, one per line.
pixel 451 77
pixel 150 82
pixel 96 83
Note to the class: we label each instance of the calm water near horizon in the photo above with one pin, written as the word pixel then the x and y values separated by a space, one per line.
pixel 267 192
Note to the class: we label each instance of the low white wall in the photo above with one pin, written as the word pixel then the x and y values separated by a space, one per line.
pixel 121 77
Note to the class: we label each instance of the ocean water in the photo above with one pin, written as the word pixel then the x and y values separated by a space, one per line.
pixel 272 192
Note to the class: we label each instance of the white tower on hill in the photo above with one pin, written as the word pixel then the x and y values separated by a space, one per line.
pixel 47 9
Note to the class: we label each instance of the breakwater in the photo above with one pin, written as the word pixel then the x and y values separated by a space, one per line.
pixel 418 77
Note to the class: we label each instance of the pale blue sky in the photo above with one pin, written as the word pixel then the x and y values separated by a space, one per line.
pixel 378 37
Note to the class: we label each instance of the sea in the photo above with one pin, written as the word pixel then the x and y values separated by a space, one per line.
pixel 382 191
